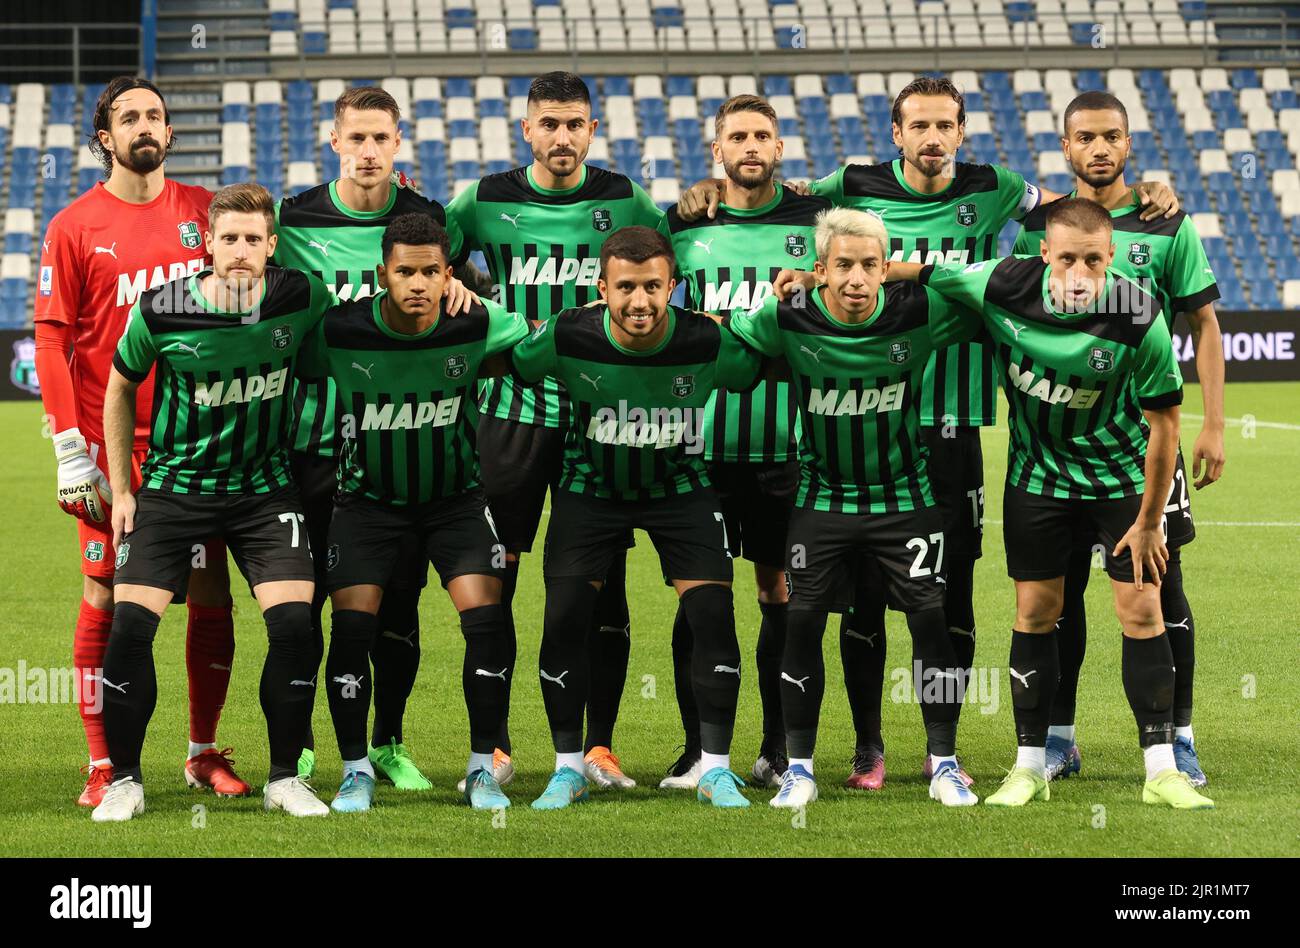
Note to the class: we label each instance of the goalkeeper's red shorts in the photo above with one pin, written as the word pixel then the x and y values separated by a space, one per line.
pixel 96 539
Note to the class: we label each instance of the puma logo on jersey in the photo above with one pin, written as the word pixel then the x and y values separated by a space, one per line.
pixel 45 246
pixel 489 674
pixel 192 350
pixel 304 684
pixel 364 369
pixel 796 681
pixel 816 355
pixel 1044 390
pixel 241 391
pixel 852 402
pixel 1017 330
pixel 514 221
pixel 706 245
pixel 559 680
pixel 534 271
pixel 1023 679
pixel 406 416
pixel 869 639
pixel 111 251
pixel 324 248
pixel 728 669
pixel 595 383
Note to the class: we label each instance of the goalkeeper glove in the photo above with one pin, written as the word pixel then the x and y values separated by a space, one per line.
pixel 83 488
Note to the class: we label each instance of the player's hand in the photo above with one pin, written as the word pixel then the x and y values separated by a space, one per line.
pixel 798 187
pixel 457 297
pixel 701 198
pixel 400 179
pixel 83 489
pixel 123 519
pixel 1207 458
pixel 1147 547
pixel 1158 199
pixel 787 280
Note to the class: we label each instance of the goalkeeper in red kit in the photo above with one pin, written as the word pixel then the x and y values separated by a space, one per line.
pixel 125 235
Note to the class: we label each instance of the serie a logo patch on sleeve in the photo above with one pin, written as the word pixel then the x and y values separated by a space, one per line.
pixel 47 281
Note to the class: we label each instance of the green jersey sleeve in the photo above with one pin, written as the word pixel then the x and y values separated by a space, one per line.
pixel 738 364
pixel 534 358
pixel 830 187
pixel 964 285
pixel 1188 277
pixel 1016 196
pixel 645 211
pixel 462 213
pixel 950 321
pixel 758 328
pixel 1155 373
pixel 504 328
pixel 136 350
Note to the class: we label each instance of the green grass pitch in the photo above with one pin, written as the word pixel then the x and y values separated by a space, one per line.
pixel 1242 580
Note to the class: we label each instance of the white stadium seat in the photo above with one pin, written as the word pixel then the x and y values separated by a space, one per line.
pixel 236 93
pixel 1160 175
pixel 1052 162
pixel 967 80
pixel 1276 79
pixel 1255 98
pixel 978 123
pixel 1207 225
pixel 665 190
pixel 1214 78
pixel 1214 159
pixel 898 80
pixel 1237 139
pixel 871 83
pixel 742 85
pixel 1026 80
pixel 1039 121
pixel 1261 119
pixel 845 105
pixel 1291 204
pixel 1291 294
pixel 1286 180
pixel 20 220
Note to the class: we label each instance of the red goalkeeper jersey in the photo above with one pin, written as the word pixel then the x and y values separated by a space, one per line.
pixel 100 254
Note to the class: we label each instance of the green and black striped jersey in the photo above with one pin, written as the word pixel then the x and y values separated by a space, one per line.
pixel 959 224
pixel 1077 383
pixel 221 409
pixel 637 414
pixel 407 402
pixel 319 234
pixel 1165 257
pixel 543 253
pixel 858 387
pixel 728 264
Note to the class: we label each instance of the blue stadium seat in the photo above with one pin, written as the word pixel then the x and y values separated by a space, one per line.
pixel 86 179
pixel 665 17
pixel 673 85
pixel 238 112
pixel 777 85
pixel 1151 79
pixel 462 128
pixel 18 243
pixel 974 101
pixel 521 38
pixel 1202 141
pixel 1283 99
pixel 1089 80
pixel 1263 294
pixel 1034 101
pixel 455 17
pixel 314 43
pixel 837 83
pixel 1046 141
pixel 1245 79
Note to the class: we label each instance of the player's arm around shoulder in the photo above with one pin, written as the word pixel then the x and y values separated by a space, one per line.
pixel 533 357
pixel 136 354
pixel 949 321
pixel 963 284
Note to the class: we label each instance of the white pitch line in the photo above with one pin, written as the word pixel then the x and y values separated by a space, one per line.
pixel 1284 426
pixel 1224 523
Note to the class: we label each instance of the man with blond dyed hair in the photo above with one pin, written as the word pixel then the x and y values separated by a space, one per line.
pixel 857 350
pixel 225 342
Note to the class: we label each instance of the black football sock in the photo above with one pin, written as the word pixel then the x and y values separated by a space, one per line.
pixel 942 681
pixel 683 649
pixel 1181 629
pixel 803 676
pixel 563 663
pixel 1071 636
pixel 483 674
pixel 128 685
pixel 288 687
pixel 862 653
pixel 771 648
pixel 395 654
pixel 1033 668
pixel 508 582
pixel 609 643
pixel 715 663
pixel 1148 673
pixel 959 610
pixel 348 682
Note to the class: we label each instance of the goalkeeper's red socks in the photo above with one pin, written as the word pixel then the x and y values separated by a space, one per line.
pixel 89 643
pixel 209 654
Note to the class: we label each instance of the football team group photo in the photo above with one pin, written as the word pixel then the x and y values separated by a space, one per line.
pixel 892 455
